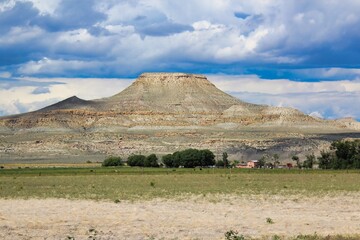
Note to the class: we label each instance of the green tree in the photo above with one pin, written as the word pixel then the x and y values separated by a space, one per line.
pixel 275 158
pixel 136 160
pixel 220 164
pixel 151 161
pixel 177 160
pixel 168 160
pixel 235 163
pixel 342 155
pixel 325 160
pixel 225 159
pixel 190 158
pixel 112 161
pixel 262 161
pixel 207 158
pixel 346 154
pixel 309 162
pixel 297 160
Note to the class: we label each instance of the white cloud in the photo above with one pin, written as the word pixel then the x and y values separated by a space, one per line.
pixel 4 5
pixel 5 74
pixel 274 32
pixel 21 35
pixel 332 72
pixel 329 99
pixel 46 66
pixel 252 83
pixel 46 7
pixel 23 99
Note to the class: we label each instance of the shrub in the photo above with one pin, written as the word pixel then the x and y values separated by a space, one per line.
pixel 233 235
pixel 269 220
pixel 112 161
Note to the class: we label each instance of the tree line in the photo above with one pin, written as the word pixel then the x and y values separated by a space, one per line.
pixel 188 158
pixel 341 155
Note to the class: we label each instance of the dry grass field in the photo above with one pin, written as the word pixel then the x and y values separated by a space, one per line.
pixel 135 203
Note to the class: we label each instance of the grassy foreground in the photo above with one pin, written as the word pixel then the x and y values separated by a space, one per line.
pixel 135 183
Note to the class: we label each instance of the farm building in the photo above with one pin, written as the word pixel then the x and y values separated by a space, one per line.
pixel 249 164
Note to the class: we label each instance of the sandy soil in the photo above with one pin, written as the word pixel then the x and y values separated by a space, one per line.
pixel 194 217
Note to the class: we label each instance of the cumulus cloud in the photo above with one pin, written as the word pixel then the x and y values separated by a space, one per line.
pixel 274 49
pixel 49 66
pixel 253 83
pixel 144 35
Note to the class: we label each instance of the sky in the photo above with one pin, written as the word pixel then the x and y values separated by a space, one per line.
pixel 303 54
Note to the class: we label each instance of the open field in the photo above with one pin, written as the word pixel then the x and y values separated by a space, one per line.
pixel 193 218
pixel 134 183
pixel 135 203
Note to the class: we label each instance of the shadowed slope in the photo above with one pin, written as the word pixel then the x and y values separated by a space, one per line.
pixel 70 103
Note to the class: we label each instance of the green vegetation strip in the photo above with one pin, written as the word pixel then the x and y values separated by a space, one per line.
pixel 126 183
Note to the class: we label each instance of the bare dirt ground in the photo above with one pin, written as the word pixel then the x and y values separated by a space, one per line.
pixel 187 218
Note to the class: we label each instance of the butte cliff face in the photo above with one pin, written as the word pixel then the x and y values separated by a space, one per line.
pixel 164 99
pixel 162 112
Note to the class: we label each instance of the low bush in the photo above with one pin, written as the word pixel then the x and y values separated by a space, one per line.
pixel 233 235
